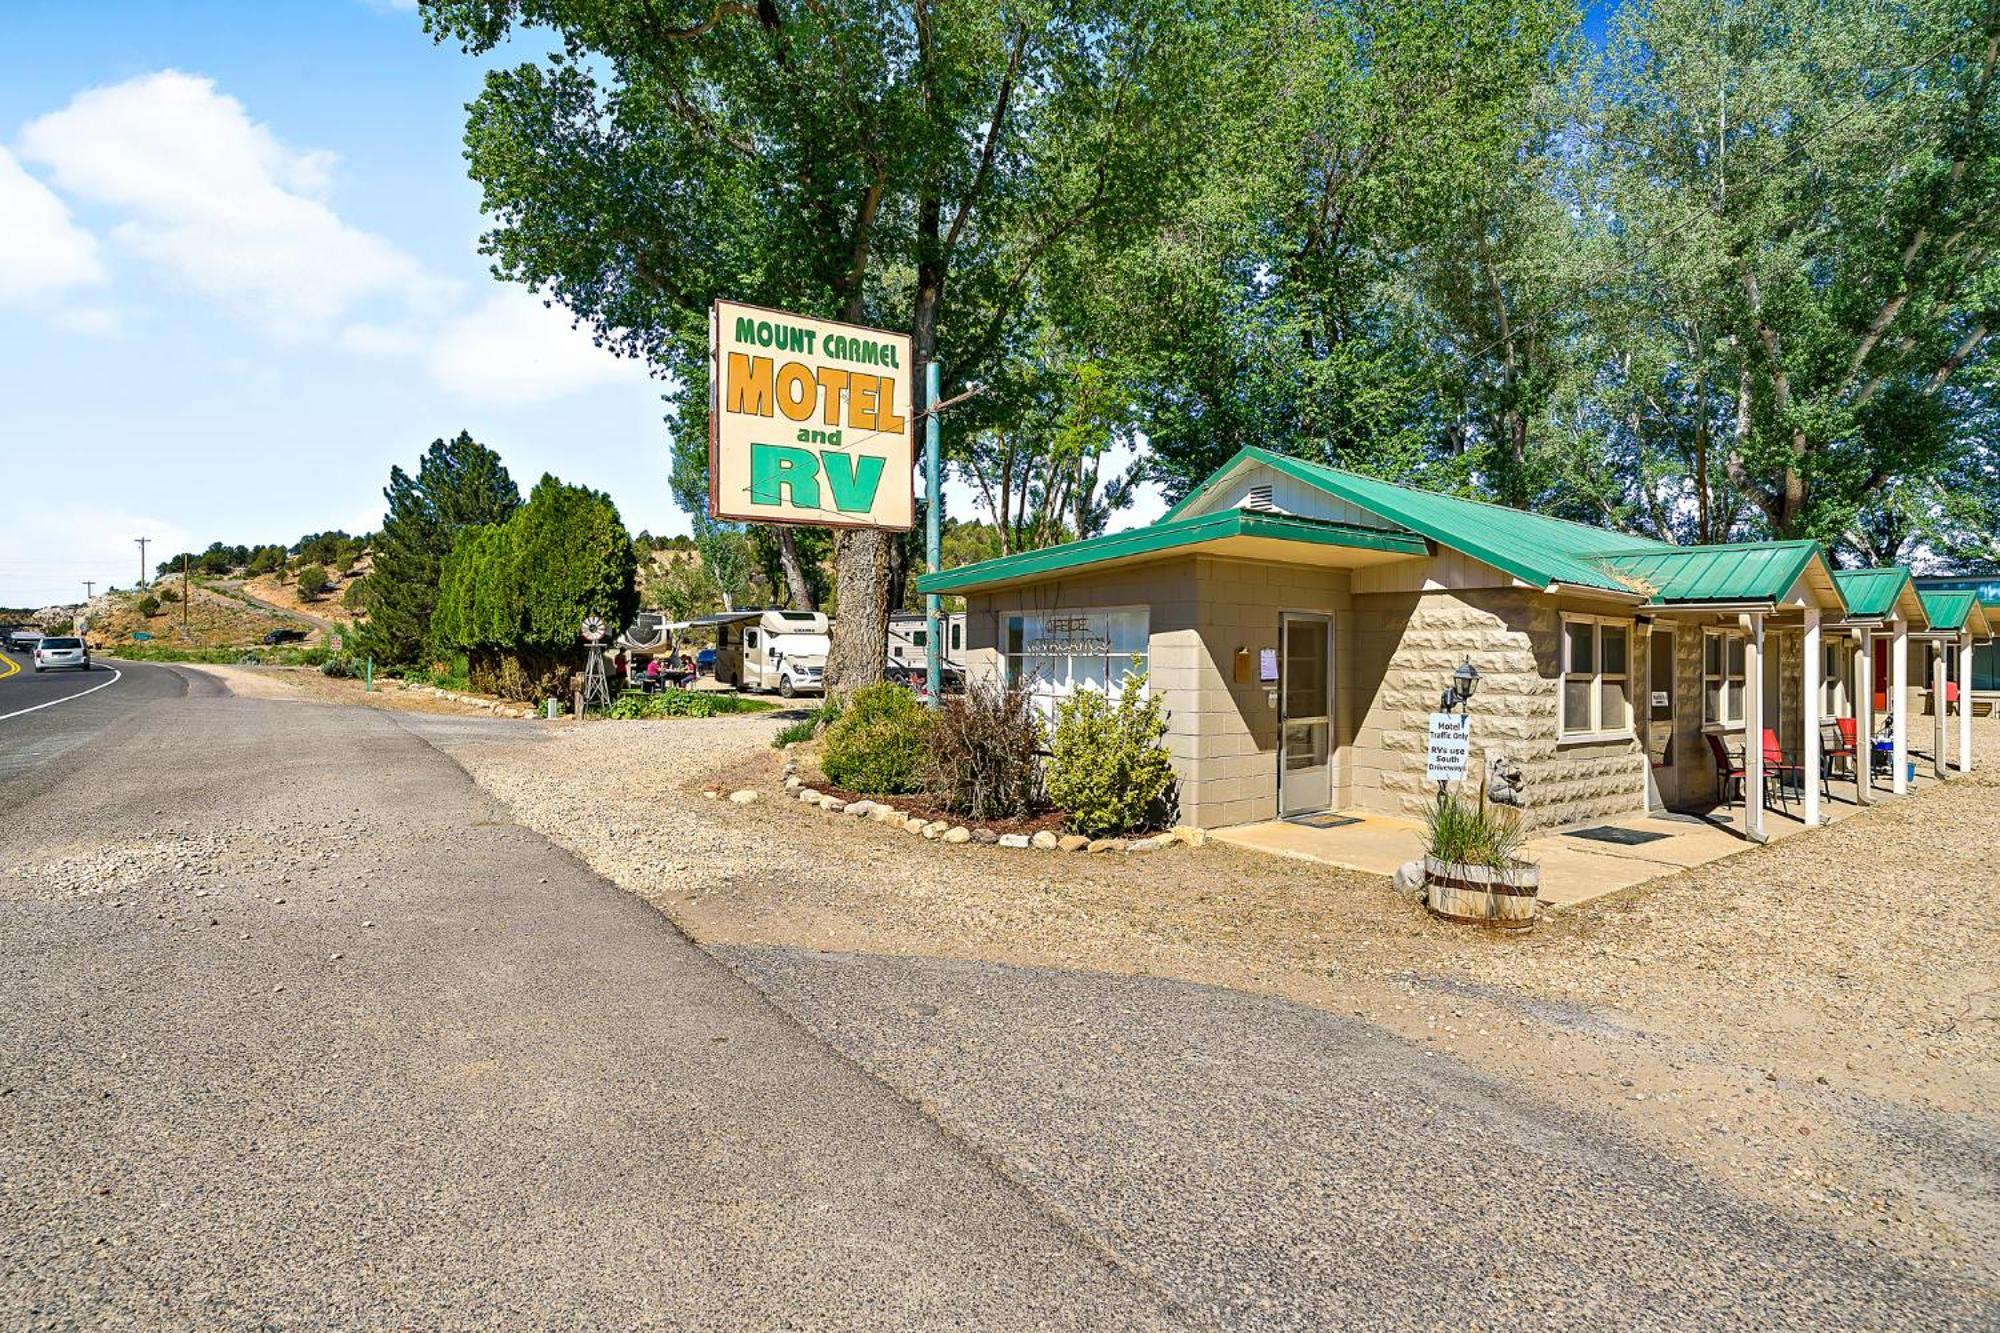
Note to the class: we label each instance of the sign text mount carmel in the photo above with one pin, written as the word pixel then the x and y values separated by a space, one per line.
pixel 809 421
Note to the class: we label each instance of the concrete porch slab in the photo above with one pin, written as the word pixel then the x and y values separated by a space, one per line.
pixel 1574 870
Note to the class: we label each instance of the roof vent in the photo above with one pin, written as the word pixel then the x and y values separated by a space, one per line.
pixel 1259 499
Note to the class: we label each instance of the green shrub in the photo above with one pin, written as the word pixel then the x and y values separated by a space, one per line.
pixel 341 666
pixel 808 726
pixel 313 582
pixel 1466 834
pixel 878 744
pixel 983 759
pixel 1107 769
pixel 148 606
pixel 633 705
pixel 170 594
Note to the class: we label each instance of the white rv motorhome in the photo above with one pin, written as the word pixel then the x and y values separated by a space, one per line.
pixel 906 638
pixel 771 650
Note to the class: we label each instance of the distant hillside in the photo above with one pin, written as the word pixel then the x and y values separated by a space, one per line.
pixel 214 618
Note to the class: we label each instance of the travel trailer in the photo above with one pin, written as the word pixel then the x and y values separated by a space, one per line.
pixel 906 638
pixel 771 650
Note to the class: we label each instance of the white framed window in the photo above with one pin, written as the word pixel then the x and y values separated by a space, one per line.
pixel 1596 662
pixel 1836 661
pixel 1055 653
pixel 1722 677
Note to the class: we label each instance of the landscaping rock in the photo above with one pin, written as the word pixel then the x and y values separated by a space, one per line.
pixel 1190 835
pixel 914 825
pixel 1106 845
pixel 935 828
pixel 957 835
pixel 832 804
pixel 985 836
pixel 793 782
pixel 809 796
pixel 743 797
pixel 1045 840
pixel 886 814
pixel 861 809
pixel 1410 877
pixel 1152 844
pixel 1072 842
pixel 1013 840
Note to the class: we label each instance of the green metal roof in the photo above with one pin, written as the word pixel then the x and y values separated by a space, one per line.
pixel 1946 608
pixel 1871 593
pixel 1738 572
pixel 1534 547
pixel 1166 535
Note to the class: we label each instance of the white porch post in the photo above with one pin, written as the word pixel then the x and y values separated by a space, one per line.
pixel 1864 716
pixel 1938 650
pixel 1899 707
pixel 1753 726
pixel 1965 703
pixel 1810 761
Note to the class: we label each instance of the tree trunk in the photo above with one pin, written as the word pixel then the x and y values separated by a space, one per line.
pixel 795 572
pixel 860 650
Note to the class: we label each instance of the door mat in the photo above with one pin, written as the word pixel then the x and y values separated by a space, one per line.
pixel 1327 820
pixel 1624 837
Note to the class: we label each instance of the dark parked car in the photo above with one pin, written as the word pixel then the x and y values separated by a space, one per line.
pixel 285 636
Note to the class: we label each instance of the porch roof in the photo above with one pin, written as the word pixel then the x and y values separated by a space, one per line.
pixel 1953 609
pixel 1237 532
pixel 1878 594
pixel 1736 573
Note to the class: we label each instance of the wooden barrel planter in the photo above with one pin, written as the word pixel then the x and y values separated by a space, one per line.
pixel 1498 899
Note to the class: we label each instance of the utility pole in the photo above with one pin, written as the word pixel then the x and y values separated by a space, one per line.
pixel 184 595
pixel 142 558
pixel 88 584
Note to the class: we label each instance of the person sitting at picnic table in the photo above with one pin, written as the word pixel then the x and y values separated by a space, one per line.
pixel 652 673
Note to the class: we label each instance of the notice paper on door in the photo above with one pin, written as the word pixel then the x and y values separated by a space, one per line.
pixel 1450 748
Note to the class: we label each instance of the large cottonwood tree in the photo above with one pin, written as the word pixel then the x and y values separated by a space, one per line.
pixel 909 165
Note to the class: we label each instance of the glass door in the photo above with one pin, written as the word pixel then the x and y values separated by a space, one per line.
pixel 1662 786
pixel 1305 713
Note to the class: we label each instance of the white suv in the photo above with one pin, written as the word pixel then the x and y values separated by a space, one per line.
pixel 51 654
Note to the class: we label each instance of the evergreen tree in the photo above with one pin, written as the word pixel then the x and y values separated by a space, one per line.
pixel 459 484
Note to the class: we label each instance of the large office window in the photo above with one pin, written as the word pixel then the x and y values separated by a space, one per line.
pixel 1595 666
pixel 1055 653
pixel 1722 677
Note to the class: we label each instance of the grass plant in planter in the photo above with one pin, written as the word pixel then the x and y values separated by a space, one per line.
pixel 1473 868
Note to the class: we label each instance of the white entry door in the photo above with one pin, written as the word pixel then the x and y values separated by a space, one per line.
pixel 1305 713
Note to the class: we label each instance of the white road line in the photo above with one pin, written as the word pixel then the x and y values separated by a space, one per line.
pixel 116 676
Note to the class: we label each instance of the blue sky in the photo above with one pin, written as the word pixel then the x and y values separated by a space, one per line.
pixel 239 280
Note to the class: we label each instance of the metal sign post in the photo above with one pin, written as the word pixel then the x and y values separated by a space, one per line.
pixel 933 539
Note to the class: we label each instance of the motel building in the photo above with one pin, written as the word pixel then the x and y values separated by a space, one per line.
pixel 1302 622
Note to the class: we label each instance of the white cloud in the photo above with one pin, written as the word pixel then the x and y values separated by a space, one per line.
pixel 222 208
pixel 220 205
pixel 42 250
pixel 48 550
pixel 512 349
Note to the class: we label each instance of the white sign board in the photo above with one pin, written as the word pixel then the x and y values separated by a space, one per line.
pixel 1450 747
pixel 809 421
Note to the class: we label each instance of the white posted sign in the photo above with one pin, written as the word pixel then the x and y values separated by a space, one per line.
pixel 1450 747
pixel 809 421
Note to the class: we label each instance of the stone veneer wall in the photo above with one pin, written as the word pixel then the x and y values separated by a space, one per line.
pixel 1405 647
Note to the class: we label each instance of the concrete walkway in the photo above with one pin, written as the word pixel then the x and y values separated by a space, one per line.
pixel 1574 869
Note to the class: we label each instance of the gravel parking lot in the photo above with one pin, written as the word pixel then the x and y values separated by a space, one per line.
pixel 1811 1025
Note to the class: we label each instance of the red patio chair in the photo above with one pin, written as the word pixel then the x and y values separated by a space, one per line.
pixel 1728 768
pixel 1776 767
pixel 1836 745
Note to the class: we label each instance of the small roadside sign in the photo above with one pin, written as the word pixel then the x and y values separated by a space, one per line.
pixel 1449 749
pixel 334 642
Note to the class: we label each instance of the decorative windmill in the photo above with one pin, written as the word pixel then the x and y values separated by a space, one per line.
pixel 596 690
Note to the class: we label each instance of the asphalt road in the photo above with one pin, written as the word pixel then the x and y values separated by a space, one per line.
pixel 300 1032
pixel 44 715
pixel 297 1029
